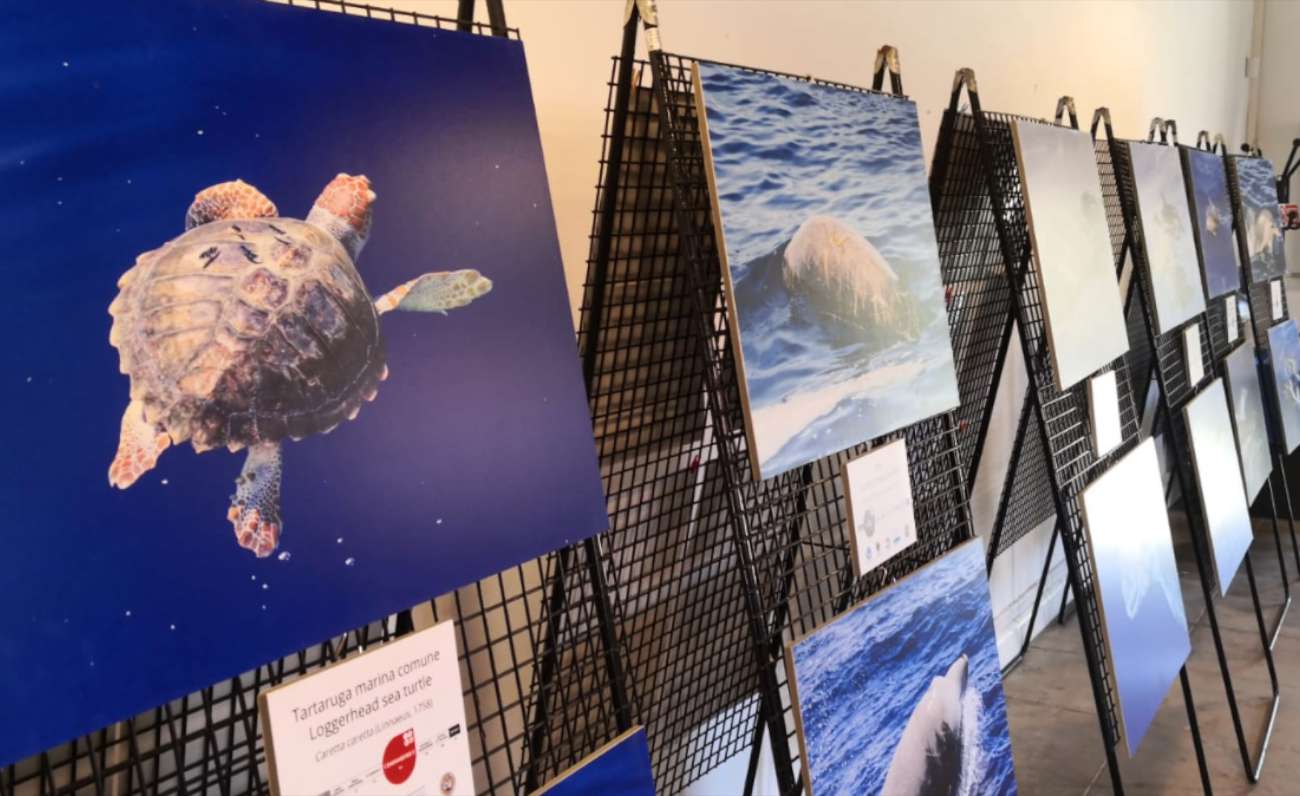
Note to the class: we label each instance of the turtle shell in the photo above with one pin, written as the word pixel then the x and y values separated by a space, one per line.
pixel 247 331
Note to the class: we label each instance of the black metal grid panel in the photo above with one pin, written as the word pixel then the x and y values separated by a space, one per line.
pixel 405 17
pixel 1064 415
pixel 790 530
pixel 535 666
pixel 690 652
pixel 980 320
pixel 1167 354
pixel 211 741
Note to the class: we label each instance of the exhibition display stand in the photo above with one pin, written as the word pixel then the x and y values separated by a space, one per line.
pixel 1176 388
pixel 985 148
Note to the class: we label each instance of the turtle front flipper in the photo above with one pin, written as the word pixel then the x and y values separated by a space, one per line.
pixel 255 506
pixel 138 449
pixel 228 201
pixel 435 292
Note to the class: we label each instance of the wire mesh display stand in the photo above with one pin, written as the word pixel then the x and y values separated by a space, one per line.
pixel 1062 417
pixel 1175 390
pixel 718 570
pixel 539 661
pixel 1259 302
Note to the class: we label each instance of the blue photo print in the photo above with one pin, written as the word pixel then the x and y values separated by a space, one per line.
pixel 1261 220
pixel 1212 209
pixel 830 262
pixel 1284 354
pixel 294 349
pixel 621 767
pixel 903 694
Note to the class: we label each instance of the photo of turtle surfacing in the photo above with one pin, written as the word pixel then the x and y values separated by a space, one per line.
pixel 830 263
pixel 250 329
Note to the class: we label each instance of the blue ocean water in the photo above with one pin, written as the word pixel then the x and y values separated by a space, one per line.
pixel 477 452
pixel 1212 209
pixel 1284 348
pixel 623 769
pixel 860 678
pixel 786 150
pixel 1255 180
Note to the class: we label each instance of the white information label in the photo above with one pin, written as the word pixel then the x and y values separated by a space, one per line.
pixel 1103 409
pixel 1275 293
pixel 879 490
pixel 389 721
pixel 1192 355
pixel 1230 317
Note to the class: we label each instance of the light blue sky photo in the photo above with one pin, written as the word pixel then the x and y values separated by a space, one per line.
pixel 903 693
pixel 1248 414
pixel 1218 476
pixel 1137 578
pixel 833 267
pixel 1212 209
pixel 1167 234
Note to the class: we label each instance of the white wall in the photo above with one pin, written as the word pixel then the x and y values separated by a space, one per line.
pixel 1141 59
pixel 1278 118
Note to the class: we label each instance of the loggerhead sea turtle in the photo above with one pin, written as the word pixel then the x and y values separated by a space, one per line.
pixel 250 328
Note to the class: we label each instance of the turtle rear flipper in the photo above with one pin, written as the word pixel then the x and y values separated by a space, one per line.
pixel 435 292
pixel 255 506
pixel 139 447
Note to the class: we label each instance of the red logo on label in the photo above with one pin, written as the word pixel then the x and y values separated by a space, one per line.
pixel 399 758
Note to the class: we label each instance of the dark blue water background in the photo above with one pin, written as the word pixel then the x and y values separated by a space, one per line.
pixel 1218 249
pixel 785 150
pixel 623 769
pixel 861 676
pixel 477 452
pixel 1255 180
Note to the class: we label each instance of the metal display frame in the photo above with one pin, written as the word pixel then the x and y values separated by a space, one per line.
pixel 542 661
pixel 1175 390
pixel 985 137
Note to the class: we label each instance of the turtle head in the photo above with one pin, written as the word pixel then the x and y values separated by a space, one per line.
pixel 343 210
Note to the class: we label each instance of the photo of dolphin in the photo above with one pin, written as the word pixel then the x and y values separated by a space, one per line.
pixel 902 694
pixel 1212 210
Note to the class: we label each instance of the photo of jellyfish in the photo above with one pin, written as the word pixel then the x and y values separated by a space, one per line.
pixel 1136 576
pixel 1247 403
pixel 1218 478
pixel 902 694
pixel 830 262
pixel 1260 224
pixel 1167 240
pixel 1076 268
pixel 1212 208
pixel 1284 351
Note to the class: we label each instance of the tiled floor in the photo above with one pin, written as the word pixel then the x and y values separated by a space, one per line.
pixel 1055 733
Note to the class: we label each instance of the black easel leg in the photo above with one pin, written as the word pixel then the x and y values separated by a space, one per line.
pixel 1281 563
pixel 1196 732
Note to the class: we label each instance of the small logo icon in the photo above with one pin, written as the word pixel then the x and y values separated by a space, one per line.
pixel 446 784
pixel 399 758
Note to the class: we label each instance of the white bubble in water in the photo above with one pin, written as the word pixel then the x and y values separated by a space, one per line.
pixel 66 64
pixel 263 606
pixel 198 132
pixel 165 482
pixel 128 613
pixel 349 561
pixel 285 556
pixel 171 627
pixel 252 577
pixel 438 521
pixel 265 586
pixel 339 540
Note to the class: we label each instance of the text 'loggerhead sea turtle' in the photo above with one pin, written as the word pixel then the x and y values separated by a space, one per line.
pixel 250 328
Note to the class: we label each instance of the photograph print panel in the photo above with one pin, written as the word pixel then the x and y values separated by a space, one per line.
pixel 829 262
pixel 1144 622
pixel 903 692
pixel 1284 351
pixel 242 432
pixel 1248 415
pixel 1261 220
pixel 621 767
pixel 1076 269
pixel 1167 234
pixel 1212 210
pixel 1218 477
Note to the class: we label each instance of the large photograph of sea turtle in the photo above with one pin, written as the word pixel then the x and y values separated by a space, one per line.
pixel 251 329
pixel 839 320
pixel 1260 222
pixel 292 349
